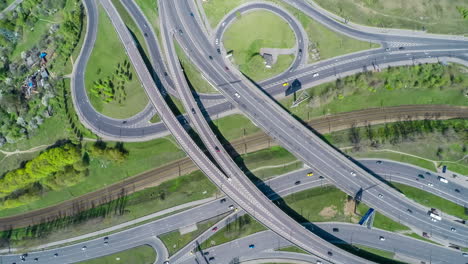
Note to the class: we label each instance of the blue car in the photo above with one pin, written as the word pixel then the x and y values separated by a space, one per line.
pixel 252 246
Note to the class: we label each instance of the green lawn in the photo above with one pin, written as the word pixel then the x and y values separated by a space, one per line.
pixel 256 30
pixel 107 53
pixel 435 16
pixel 325 204
pixel 414 235
pixel 155 119
pixel 397 157
pixel 264 163
pixel 243 226
pixel 197 81
pixel 431 200
pixel 174 241
pixel 374 255
pixel 138 255
pixel 234 126
pixel 294 249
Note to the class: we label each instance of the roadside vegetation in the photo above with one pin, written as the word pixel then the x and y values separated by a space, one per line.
pixel 140 255
pixel 242 226
pixel 445 16
pixel 424 143
pixel 174 241
pixel 112 84
pixel 419 84
pixel 197 82
pixel 433 201
pixel 251 32
pixel 294 249
pixel 372 254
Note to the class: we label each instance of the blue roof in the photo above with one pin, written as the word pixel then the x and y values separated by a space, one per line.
pixel 43 54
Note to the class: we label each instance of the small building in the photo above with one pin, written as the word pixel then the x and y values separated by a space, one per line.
pixel 268 59
pixel 44 73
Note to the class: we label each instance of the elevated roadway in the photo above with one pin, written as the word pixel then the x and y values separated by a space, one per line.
pixel 301 141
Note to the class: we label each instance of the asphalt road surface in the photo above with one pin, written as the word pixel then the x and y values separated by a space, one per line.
pixel 303 143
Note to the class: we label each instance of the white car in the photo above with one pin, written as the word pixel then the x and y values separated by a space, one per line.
pixel 237 95
pixel 433 220
pixel 353 173
pixel 381 238
pixel 430 184
pixel 453 229
pixel 380 195
pixel 442 179
pixel 84 248
pixel 315 75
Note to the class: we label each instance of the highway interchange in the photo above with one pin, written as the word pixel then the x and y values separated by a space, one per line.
pixel 261 109
pixel 284 185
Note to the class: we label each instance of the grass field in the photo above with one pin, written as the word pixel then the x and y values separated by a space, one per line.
pixel 107 53
pixel 256 30
pixel 174 241
pixel 138 255
pixel 434 16
pixel 374 255
pixel 397 157
pixel 243 226
pixel 431 200
pixel 294 249
pixel 267 163
pixel 333 206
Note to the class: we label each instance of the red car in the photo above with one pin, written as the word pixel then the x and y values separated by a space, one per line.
pixel 214 229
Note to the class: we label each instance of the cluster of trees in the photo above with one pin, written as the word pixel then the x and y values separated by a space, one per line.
pixel 463 11
pixel 426 76
pixel 55 168
pixel 116 154
pixel 113 87
pixel 402 131
pixel 20 117
pixel 116 207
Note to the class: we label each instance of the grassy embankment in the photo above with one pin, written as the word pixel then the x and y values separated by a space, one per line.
pixel 140 255
pixel 256 30
pixel 107 57
pixel 435 17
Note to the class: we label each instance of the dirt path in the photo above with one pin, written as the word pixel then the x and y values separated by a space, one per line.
pixel 34 149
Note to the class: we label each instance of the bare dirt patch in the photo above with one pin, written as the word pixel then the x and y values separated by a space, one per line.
pixel 329 212
pixel 348 209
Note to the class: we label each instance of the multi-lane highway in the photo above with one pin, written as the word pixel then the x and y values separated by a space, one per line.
pixel 136 130
pixel 338 169
pixel 282 185
pixel 300 141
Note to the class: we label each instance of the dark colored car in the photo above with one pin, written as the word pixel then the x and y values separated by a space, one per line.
pixel 421 176
pixel 211 57
pixel 297 182
pixel 211 258
pixel 222 200
pixel 217 149
pixel 336 229
pixel 251 246
pixel 193 111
